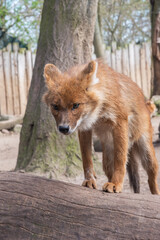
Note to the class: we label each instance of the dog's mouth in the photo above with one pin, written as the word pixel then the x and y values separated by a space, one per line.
pixel 67 130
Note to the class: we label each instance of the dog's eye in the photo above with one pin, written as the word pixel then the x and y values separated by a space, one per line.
pixel 55 107
pixel 75 106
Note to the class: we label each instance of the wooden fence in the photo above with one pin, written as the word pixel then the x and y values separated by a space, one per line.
pixel 16 66
pixel 135 62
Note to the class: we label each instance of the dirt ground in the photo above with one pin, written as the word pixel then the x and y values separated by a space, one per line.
pixel 9 150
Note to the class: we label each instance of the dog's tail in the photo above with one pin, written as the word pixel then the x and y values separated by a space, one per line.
pixel 151 108
pixel 133 173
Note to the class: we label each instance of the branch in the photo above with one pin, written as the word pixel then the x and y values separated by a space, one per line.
pixel 139 29
pixel 5 30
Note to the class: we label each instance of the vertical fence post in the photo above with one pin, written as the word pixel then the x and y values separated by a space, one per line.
pixel 22 82
pixel 148 66
pixel 143 71
pixel 8 80
pixel 108 56
pixel 137 65
pixel 119 60
pixel 113 58
pixel 132 61
pixel 28 68
pixel 125 62
pixel 33 59
pixel 3 103
pixel 15 80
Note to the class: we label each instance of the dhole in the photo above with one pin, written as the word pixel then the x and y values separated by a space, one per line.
pixel 95 98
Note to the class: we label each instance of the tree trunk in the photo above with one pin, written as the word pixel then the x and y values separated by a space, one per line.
pixel 66 37
pixel 155 22
pixel 37 208
pixel 98 42
pixel 99 48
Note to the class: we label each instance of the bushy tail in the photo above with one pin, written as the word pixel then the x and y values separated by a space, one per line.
pixel 151 108
pixel 134 180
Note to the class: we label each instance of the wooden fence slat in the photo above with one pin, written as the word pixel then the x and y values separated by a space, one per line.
pixel 148 66
pixel 108 57
pixel 137 65
pixel 113 56
pixel 15 47
pixel 125 62
pixel 22 82
pixel 33 59
pixel 113 61
pixel 132 61
pixel 28 68
pixel 16 97
pixel 143 72
pixel 8 79
pixel 3 103
pixel 9 47
pixel 118 54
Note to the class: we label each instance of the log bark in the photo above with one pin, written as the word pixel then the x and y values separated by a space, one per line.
pixel 66 38
pixel 33 207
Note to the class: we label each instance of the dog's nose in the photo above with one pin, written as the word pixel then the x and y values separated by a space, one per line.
pixel 63 129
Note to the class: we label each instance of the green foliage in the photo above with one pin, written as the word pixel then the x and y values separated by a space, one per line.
pixel 21 18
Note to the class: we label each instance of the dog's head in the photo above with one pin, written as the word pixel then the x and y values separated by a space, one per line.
pixel 72 96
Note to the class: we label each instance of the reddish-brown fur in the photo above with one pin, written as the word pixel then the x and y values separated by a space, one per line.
pixel 90 99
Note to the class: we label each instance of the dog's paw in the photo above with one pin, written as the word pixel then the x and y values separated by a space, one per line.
pixel 91 183
pixel 112 188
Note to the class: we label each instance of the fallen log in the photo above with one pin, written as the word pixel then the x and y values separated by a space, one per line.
pixel 11 122
pixel 33 207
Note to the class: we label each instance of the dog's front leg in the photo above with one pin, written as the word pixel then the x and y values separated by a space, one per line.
pixel 85 139
pixel 120 140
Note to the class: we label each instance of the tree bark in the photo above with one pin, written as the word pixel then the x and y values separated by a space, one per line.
pixel 66 37
pixel 155 23
pixel 37 208
pixel 99 48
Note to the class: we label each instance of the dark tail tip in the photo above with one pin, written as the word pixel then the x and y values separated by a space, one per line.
pixel 134 179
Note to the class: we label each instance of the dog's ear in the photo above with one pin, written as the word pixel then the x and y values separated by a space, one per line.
pixel 52 75
pixel 89 74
